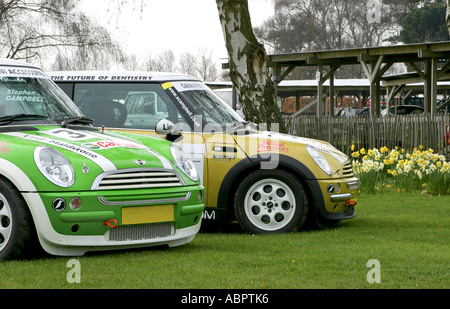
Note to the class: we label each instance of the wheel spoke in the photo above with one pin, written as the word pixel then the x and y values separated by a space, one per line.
pixel 5 223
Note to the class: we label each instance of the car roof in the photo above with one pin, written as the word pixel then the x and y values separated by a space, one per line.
pixel 13 62
pixel 108 76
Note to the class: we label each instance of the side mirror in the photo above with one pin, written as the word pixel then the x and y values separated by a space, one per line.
pixel 168 128
pixel 164 126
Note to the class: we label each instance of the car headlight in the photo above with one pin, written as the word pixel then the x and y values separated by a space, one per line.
pixel 319 159
pixel 54 166
pixel 183 161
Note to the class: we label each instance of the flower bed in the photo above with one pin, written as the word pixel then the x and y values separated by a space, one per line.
pixel 401 170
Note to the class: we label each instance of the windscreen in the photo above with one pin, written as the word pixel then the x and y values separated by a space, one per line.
pixel 207 103
pixel 28 92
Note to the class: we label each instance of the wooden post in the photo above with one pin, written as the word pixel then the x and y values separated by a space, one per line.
pixel 331 94
pixel 319 90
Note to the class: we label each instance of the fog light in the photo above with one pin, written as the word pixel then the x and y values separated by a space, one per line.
pixel 75 203
pixel 200 196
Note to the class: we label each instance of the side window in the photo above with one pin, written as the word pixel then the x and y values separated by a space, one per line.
pixel 67 88
pixel 125 105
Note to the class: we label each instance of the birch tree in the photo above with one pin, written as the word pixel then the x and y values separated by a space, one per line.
pixel 447 14
pixel 248 65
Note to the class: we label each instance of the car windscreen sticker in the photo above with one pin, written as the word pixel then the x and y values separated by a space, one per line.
pixel 188 86
pixel 185 110
pixel 103 162
pixel 21 72
pixel 166 85
pixel 13 95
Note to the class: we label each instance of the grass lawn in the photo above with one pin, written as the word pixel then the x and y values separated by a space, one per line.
pixel 407 233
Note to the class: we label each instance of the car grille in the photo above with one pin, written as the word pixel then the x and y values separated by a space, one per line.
pixel 141 232
pixel 347 170
pixel 137 179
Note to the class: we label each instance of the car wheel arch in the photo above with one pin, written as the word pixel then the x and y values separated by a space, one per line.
pixel 16 176
pixel 250 164
pixel 18 180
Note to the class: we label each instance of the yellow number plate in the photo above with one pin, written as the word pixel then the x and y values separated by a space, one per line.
pixel 147 214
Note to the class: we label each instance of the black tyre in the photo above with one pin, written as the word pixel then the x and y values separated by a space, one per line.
pixel 17 232
pixel 270 201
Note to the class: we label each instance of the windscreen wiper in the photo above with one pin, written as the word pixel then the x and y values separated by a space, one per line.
pixel 19 117
pixel 76 120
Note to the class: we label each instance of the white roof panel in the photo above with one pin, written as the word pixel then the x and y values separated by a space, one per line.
pixel 117 76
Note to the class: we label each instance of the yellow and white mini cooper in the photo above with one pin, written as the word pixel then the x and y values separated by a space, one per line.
pixel 268 182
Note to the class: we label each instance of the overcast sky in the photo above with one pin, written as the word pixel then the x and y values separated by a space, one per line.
pixel 177 25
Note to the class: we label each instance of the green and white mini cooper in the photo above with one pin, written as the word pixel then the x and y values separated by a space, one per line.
pixel 72 188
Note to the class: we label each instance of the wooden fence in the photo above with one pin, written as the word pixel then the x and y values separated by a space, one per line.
pixel 405 131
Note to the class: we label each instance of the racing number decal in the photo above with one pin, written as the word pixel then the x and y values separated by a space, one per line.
pixel 70 135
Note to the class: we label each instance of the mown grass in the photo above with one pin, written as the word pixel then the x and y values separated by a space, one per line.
pixel 407 233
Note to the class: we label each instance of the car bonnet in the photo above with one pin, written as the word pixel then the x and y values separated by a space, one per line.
pixel 107 151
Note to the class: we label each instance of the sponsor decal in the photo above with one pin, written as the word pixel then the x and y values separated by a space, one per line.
pixel 70 135
pixel 23 96
pixel 103 78
pixel 4 148
pixel 184 108
pixel 269 146
pixel 21 72
pixel 103 162
pixel 186 86
pixel 111 144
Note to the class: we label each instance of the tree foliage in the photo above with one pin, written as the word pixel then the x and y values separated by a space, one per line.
pixel 36 30
pixel 425 24
pixel 324 25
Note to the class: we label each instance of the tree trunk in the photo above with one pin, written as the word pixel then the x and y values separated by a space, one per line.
pixel 447 14
pixel 248 65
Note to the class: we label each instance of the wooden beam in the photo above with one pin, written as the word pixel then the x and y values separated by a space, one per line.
pixel 418 70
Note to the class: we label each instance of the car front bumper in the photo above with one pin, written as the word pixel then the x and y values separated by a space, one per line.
pixel 336 198
pixel 73 233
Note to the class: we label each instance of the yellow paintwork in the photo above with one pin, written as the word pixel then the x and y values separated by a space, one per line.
pixel 218 163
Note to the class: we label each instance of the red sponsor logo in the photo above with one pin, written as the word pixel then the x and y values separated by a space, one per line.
pixel 268 146
pixel 4 148
pixel 110 144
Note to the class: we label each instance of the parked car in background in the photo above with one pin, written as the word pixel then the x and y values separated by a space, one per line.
pixel 347 112
pixel 268 182
pixel 443 106
pixel 403 110
pixel 70 188
pixel 226 94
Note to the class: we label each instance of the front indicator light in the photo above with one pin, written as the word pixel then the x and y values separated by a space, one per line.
pixel 75 203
